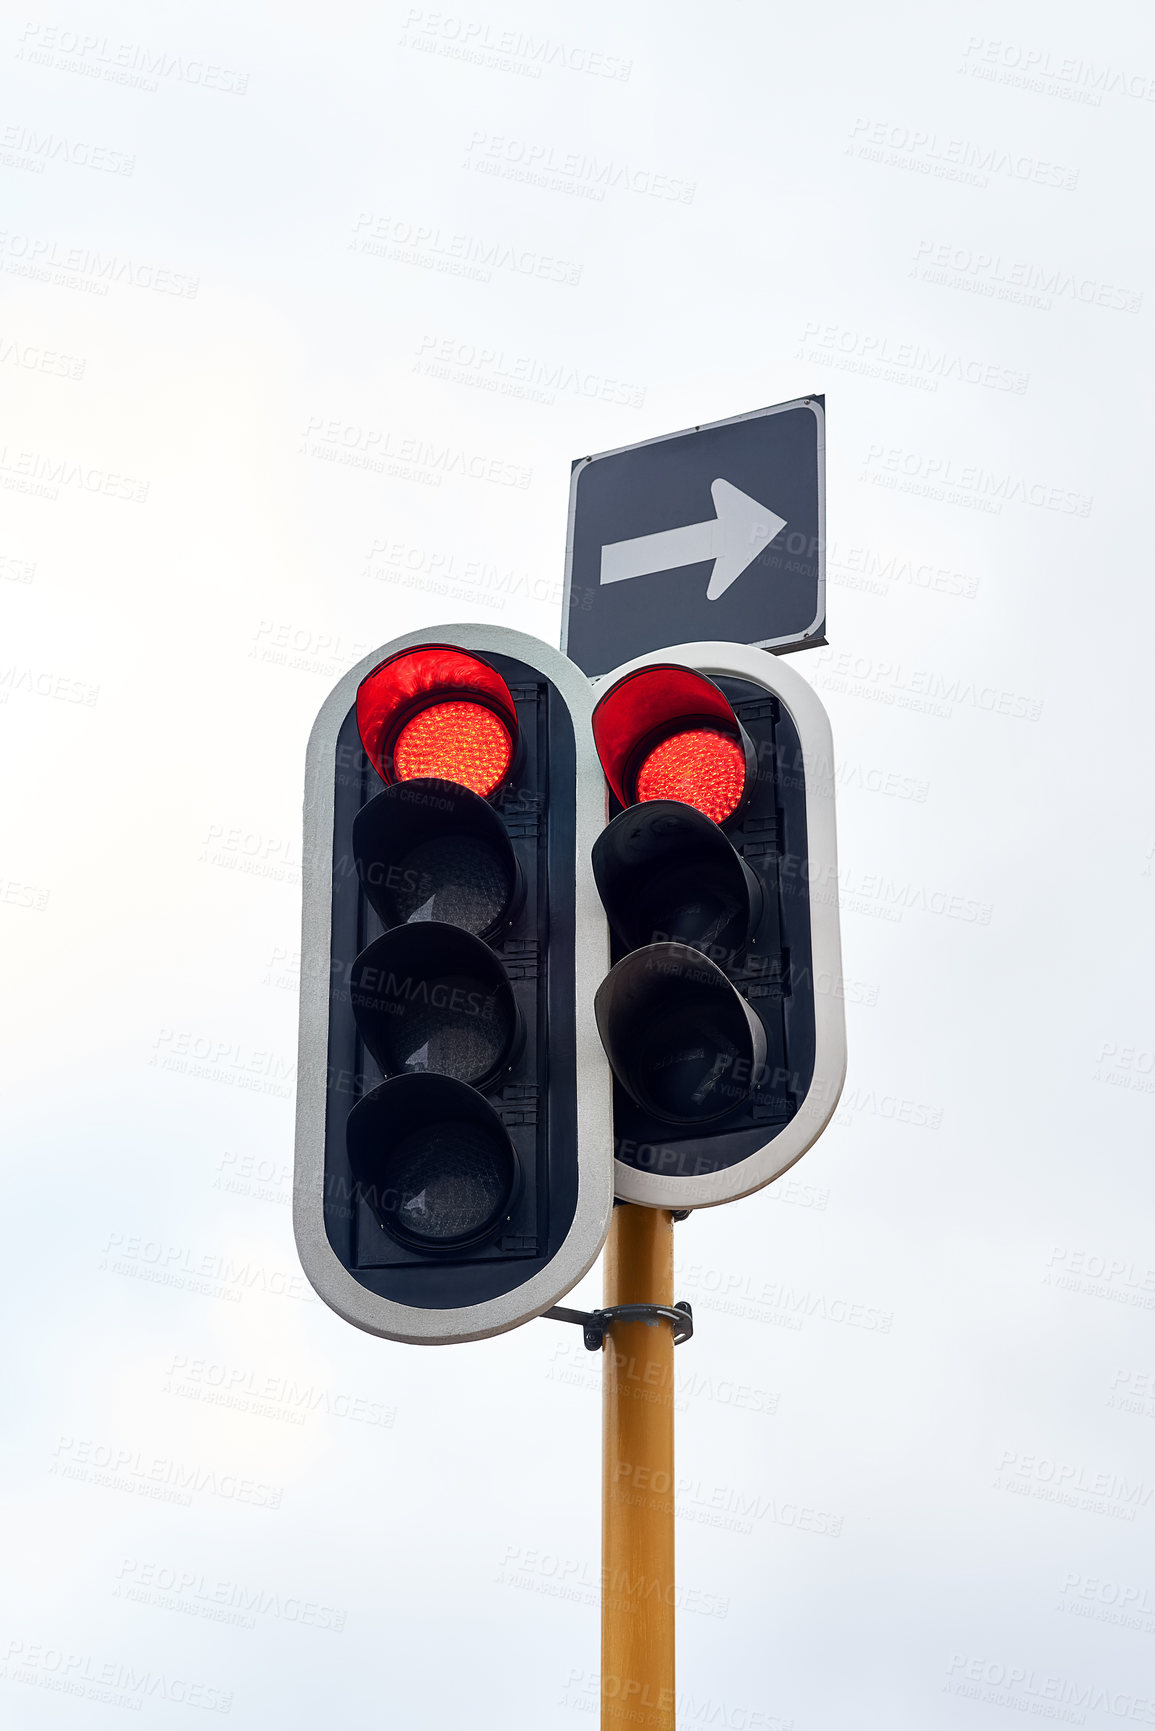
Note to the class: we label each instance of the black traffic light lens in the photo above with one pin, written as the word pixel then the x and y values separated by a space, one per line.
pixel 665 872
pixel 430 997
pixel 430 850
pixel 458 879
pixel 433 1161
pixel 686 1063
pixel 450 1181
pixel 680 1040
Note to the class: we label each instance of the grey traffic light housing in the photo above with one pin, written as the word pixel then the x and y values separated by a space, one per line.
pixel 726 1104
pixel 446 1026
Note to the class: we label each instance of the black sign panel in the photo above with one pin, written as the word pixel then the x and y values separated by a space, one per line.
pixel 712 534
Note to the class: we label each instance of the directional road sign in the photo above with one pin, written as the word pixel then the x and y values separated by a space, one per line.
pixel 717 532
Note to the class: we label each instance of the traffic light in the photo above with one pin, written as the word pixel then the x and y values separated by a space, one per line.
pixel 452 1177
pixel 722 1014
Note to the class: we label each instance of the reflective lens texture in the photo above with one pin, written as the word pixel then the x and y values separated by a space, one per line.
pixel 446 1023
pixel 697 1072
pixel 446 1181
pixel 460 742
pixel 701 767
pixel 687 911
pixel 460 879
pixel 430 999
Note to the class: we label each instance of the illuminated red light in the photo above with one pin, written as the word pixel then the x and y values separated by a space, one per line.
pixel 437 711
pixel 459 742
pixel 668 732
pixel 702 768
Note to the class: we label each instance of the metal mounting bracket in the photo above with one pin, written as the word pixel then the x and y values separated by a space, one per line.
pixel 595 1323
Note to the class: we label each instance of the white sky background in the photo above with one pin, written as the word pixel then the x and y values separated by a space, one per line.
pixel 917 1438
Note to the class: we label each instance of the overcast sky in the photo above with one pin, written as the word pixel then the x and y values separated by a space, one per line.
pixel 308 311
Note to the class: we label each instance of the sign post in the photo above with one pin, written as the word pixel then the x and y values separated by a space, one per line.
pixel 638 1475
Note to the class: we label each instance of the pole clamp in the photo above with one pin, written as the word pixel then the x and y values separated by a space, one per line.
pixel 595 1324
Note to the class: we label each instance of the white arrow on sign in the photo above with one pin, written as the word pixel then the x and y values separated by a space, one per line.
pixel 733 539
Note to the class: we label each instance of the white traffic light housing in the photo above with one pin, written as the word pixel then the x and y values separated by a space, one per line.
pixel 722 1015
pixel 454 1173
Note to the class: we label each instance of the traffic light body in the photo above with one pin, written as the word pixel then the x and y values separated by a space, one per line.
pixel 454 1172
pixel 723 1014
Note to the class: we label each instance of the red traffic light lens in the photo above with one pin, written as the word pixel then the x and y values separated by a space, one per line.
pixel 438 712
pixel 668 732
pixel 701 768
pixel 459 742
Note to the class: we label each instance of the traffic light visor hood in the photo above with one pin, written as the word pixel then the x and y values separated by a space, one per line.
pixel 664 871
pixel 432 850
pixel 438 712
pixel 454 1148
pixel 680 1040
pixel 667 732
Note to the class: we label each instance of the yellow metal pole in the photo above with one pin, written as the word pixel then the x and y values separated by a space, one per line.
pixel 638 1477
